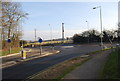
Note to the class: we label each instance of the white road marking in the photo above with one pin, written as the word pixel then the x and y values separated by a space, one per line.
pixel 67 46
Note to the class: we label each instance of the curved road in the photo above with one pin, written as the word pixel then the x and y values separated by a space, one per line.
pixel 28 68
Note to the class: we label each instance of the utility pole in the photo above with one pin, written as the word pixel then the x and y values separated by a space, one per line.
pixel 63 32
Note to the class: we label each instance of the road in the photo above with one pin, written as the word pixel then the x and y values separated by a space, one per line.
pixel 28 68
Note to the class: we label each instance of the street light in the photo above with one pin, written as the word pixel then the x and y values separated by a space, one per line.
pixel 52 42
pixel 100 24
pixel 24 15
pixel 88 30
pixel 50 32
pixel 87 24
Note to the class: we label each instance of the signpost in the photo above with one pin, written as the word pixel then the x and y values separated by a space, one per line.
pixel 40 41
pixel 9 41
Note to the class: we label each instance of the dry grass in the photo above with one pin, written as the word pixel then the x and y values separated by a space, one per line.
pixel 13 50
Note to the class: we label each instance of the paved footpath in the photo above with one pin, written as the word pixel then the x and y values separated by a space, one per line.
pixel 90 69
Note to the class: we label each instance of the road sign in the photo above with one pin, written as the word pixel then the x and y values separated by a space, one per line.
pixel 9 40
pixel 40 40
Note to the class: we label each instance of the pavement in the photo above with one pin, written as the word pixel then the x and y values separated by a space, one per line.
pixel 90 69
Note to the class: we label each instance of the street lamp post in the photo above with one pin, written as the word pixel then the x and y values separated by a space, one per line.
pixel 87 24
pixel 52 42
pixel 88 30
pixel 100 24
pixel 63 32
pixel 50 32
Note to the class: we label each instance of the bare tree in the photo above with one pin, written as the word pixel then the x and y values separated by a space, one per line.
pixel 12 15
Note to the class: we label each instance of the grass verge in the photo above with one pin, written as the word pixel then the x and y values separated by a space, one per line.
pixel 13 50
pixel 57 72
pixel 111 69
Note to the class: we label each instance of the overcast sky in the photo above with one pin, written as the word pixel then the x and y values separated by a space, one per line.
pixel 73 14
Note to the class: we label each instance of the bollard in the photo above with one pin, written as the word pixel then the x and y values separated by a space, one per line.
pixel 24 55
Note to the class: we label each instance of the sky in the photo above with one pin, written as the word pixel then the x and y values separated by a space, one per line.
pixel 73 14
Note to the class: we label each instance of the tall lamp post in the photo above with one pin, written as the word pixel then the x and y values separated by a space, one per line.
pixel 87 24
pixel 88 30
pixel 52 42
pixel 50 32
pixel 63 32
pixel 100 24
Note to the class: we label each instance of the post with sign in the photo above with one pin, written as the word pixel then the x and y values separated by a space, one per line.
pixel 40 41
pixel 9 41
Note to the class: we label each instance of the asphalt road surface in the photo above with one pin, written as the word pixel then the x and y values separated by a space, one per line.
pixel 28 68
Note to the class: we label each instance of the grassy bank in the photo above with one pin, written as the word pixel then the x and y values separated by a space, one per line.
pixel 13 50
pixel 111 69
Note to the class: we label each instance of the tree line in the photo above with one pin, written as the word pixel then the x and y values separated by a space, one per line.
pixel 92 36
pixel 12 18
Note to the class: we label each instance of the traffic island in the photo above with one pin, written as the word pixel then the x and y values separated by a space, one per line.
pixel 26 57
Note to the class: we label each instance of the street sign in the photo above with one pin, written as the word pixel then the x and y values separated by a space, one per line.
pixel 40 40
pixel 9 40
